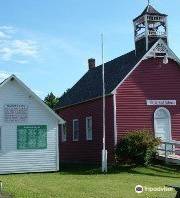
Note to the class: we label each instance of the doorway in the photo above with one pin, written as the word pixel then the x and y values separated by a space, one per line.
pixel 162 124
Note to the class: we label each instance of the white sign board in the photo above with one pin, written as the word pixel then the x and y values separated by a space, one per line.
pixel 15 113
pixel 161 102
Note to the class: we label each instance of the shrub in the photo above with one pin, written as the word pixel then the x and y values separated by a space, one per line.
pixel 137 147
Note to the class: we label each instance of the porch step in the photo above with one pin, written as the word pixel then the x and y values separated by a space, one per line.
pixel 174 159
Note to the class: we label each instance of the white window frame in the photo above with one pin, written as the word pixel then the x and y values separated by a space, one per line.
pixel 87 129
pixel 77 139
pixel 64 132
pixel 169 120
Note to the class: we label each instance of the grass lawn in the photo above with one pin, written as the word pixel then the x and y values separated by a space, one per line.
pixel 88 182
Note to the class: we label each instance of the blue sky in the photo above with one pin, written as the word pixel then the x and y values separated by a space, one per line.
pixel 46 43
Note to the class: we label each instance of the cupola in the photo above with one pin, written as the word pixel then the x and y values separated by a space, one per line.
pixel 149 27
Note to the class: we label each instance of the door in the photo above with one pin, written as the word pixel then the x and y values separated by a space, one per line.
pixel 162 124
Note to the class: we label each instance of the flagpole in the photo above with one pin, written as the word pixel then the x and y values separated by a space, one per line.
pixel 104 151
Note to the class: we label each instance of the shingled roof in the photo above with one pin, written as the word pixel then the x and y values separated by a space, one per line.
pixel 90 85
pixel 150 11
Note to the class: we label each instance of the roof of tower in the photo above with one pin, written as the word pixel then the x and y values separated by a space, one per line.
pixel 150 11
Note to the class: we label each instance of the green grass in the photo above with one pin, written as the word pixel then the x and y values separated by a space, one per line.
pixel 87 182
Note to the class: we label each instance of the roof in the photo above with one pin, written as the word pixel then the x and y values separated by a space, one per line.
pixel 13 77
pixel 90 85
pixel 150 10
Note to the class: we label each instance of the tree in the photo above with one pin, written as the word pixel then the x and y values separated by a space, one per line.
pixel 51 100
pixel 67 90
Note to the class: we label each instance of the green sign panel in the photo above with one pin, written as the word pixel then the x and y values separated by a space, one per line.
pixel 32 136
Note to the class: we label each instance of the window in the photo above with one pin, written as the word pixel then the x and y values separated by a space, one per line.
pixel 64 132
pixel 88 128
pixel 31 137
pixel 75 130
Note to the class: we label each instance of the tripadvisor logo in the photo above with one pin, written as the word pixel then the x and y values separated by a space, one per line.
pixel 138 189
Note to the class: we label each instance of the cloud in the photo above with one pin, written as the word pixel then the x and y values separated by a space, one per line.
pixel 17 50
pixel 6 32
pixel 3 35
pixel 21 61
pixel 4 75
pixel 8 29
pixel 24 48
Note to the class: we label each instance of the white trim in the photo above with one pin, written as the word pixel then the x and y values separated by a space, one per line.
pixel 32 94
pixel 134 35
pixel 75 120
pixel 169 116
pixel 63 137
pixel 128 74
pixel 89 139
pixel 115 121
pixel 167 30
pixel 57 148
pixel 150 54
pixel 147 33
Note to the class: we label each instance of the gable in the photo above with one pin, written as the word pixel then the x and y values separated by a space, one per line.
pixel 13 88
pixel 153 77
pixel 158 50
pixel 13 94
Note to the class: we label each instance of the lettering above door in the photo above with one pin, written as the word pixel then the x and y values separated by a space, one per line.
pixel 161 102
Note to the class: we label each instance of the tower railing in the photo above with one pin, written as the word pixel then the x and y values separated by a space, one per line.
pixel 157 33
pixel 156 18
pixel 140 35
pixel 152 34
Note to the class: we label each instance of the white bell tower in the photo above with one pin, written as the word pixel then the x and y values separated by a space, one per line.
pixel 149 27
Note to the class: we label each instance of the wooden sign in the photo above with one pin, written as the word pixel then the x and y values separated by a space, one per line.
pixel 15 113
pixel 161 102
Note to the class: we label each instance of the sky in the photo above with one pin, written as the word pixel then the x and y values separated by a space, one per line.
pixel 46 43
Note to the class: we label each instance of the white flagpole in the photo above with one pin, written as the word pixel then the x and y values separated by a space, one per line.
pixel 104 151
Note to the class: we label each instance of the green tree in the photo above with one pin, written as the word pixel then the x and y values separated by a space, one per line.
pixel 51 100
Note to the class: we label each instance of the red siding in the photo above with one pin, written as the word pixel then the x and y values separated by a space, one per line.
pixel 150 80
pixel 83 150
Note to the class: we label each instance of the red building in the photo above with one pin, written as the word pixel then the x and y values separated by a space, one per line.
pixel 142 91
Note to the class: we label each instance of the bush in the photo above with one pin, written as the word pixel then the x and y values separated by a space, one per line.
pixel 137 147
